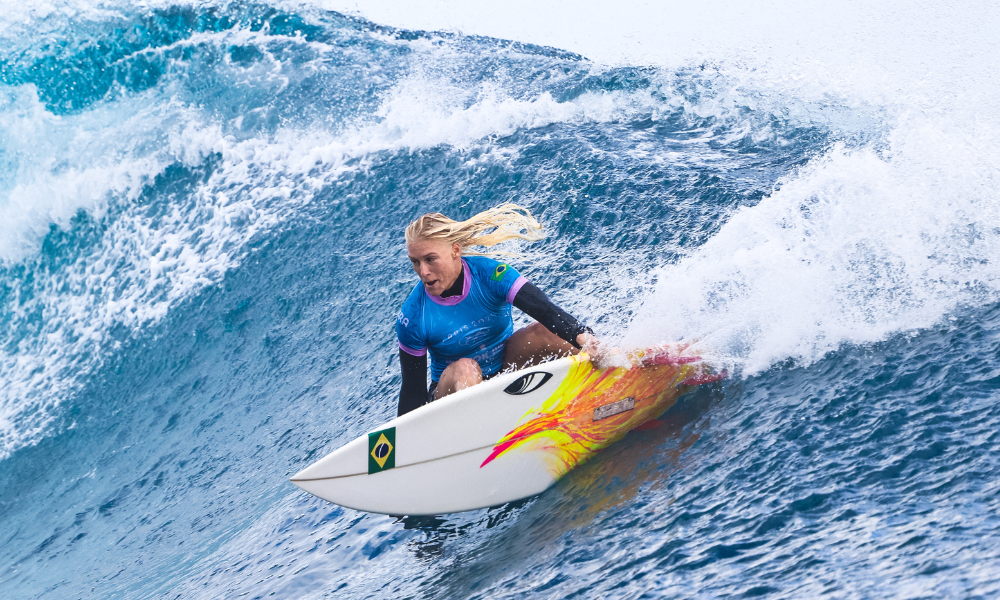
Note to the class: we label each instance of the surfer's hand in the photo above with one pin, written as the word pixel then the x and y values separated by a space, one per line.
pixel 601 354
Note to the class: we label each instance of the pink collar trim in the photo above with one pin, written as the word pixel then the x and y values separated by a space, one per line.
pixel 453 300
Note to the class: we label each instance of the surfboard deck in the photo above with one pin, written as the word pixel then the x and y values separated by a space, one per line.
pixel 502 440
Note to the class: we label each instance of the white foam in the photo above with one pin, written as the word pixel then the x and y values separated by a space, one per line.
pixel 858 245
pixel 59 165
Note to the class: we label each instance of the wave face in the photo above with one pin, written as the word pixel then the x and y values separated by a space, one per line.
pixel 201 256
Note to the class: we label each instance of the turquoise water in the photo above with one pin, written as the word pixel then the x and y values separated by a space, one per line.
pixel 201 258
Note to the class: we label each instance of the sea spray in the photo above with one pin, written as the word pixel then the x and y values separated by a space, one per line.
pixel 857 245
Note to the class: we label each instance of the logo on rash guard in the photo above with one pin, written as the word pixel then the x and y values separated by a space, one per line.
pixel 487 355
pixel 475 336
pixel 498 273
pixel 403 320
pixel 467 327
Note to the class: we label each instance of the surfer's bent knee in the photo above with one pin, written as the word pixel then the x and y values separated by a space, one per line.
pixel 466 366
pixel 461 374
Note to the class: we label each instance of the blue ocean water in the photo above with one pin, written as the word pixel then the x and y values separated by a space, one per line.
pixel 201 256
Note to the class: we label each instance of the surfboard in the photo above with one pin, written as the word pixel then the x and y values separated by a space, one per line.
pixel 505 439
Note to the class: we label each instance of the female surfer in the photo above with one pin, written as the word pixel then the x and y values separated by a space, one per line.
pixel 460 309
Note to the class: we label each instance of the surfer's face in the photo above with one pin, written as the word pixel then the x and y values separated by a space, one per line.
pixel 437 263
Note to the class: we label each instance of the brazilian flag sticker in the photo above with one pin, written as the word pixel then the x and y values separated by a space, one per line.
pixel 381 450
pixel 499 272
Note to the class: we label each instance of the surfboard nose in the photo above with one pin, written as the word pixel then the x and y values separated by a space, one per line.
pixel 306 485
pixel 351 459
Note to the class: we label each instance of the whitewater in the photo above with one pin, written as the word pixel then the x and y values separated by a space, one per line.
pixel 201 214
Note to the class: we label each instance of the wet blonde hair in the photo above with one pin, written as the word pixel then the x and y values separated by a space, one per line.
pixel 499 224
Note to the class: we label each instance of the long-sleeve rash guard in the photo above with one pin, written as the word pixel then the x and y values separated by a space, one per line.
pixel 477 329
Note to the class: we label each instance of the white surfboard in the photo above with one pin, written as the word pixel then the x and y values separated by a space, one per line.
pixel 503 440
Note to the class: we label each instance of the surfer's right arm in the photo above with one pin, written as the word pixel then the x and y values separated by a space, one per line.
pixel 412 355
pixel 413 392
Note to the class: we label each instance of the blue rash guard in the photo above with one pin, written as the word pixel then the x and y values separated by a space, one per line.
pixel 475 324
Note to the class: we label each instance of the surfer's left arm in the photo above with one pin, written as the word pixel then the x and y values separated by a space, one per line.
pixel 534 303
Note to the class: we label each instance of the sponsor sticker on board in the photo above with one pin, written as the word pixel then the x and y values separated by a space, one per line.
pixel 615 408
pixel 381 450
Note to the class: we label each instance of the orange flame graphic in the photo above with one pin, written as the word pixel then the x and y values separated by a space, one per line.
pixel 564 429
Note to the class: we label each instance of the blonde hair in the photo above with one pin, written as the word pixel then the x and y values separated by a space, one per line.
pixel 488 228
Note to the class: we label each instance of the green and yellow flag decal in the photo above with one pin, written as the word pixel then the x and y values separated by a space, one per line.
pixel 381 450
pixel 499 272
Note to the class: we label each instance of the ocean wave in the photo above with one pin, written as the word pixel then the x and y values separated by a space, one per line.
pixel 121 206
pixel 201 253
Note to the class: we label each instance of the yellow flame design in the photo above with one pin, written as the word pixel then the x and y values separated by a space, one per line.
pixel 563 428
